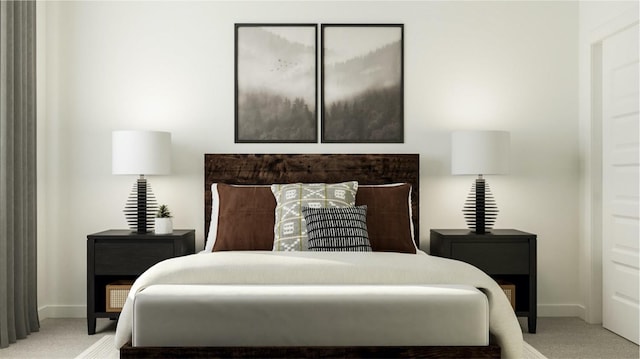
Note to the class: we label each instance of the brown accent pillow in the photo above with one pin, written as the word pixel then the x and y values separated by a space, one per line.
pixel 388 220
pixel 245 219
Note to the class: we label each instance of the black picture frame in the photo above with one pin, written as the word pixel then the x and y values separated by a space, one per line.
pixel 362 83
pixel 276 83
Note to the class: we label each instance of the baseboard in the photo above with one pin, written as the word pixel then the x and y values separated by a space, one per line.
pixel 62 311
pixel 561 310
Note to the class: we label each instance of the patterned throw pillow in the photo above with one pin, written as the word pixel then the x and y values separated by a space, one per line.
pixel 337 229
pixel 290 230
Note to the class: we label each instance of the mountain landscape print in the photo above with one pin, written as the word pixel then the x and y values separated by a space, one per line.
pixel 276 83
pixel 362 83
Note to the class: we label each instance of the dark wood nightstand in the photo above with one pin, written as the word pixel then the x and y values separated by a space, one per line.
pixel 504 254
pixel 123 255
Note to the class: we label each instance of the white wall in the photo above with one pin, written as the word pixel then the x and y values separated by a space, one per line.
pixel 169 66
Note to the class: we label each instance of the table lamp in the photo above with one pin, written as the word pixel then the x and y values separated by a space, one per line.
pixel 141 153
pixel 480 153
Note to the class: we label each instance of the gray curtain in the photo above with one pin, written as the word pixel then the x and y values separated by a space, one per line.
pixel 18 286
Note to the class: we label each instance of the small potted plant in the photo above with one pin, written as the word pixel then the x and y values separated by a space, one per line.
pixel 163 223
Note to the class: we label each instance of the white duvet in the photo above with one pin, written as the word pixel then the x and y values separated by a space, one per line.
pixel 265 267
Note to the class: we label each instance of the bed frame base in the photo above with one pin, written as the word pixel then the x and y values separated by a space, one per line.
pixel 490 351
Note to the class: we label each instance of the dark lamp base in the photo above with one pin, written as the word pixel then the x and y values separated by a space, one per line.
pixel 141 207
pixel 480 210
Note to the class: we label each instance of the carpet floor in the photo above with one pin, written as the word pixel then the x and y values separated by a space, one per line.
pixel 573 338
pixel 561 338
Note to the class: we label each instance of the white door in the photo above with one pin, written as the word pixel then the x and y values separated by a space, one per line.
pixel 620 181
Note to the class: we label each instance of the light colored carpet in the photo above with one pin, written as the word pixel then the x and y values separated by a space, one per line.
pixel 105 349
pixel 557 338
pixel 572 338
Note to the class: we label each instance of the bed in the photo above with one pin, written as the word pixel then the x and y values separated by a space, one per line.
pixel 250 282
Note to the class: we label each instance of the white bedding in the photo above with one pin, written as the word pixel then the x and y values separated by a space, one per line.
pixel 267 267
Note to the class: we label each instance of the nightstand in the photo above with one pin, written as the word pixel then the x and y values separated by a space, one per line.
pixel 504 254
pixel 115 255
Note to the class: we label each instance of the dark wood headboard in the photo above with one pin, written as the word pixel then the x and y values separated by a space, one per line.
pixel 267 169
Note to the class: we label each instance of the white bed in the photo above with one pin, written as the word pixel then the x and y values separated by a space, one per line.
pixel 264 299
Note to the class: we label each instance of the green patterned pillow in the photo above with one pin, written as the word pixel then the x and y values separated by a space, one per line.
pixel 290 230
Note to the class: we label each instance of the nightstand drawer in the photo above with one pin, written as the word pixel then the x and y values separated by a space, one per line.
pixel 130 258
pixel 494 257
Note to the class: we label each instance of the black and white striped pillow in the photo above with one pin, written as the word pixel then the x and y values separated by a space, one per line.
pixel 337 229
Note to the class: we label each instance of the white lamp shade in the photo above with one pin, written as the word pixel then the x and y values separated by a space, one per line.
pixel 479 152
pixel 141 153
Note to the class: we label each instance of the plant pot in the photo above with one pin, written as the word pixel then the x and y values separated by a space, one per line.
pixel 163 226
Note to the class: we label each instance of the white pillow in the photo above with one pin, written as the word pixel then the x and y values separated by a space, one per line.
pixel 213 225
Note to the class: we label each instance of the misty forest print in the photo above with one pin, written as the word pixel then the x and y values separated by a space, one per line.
pixel 275 83
pixel 362 83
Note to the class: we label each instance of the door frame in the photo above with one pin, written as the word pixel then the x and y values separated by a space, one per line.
pixel 593 208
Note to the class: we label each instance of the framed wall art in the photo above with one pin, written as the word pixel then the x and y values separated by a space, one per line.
pixel 362 83
pixel 275 83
